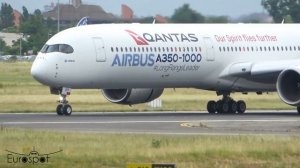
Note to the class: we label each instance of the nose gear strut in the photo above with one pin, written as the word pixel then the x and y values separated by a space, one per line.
pixel 63 108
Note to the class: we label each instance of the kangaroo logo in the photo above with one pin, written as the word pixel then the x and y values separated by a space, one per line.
pixel 138 39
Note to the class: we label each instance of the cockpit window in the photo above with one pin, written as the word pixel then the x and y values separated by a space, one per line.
pixel 44 49
pixel 52 48
pixel 63 48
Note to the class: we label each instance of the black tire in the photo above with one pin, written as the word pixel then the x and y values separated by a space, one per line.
pixel 67 109
pixel 212 107
pixel 222 107
pixel 219 104
pixel 241 107
pixel 59 109
pixel 298 110
pixel 233 107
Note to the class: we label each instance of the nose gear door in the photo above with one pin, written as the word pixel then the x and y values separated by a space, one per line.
pixel 99 49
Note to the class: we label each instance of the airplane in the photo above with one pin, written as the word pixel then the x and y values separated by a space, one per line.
pixel 133 63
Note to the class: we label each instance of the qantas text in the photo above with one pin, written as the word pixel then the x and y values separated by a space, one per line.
pixel 171 37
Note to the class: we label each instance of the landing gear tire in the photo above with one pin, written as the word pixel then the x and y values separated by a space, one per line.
pixel 67 109
pixel 212 107
pixel 241 107
pixel 223 107
pixel 59 110
pixel 298 110
pixel 227 105
pixel 232 107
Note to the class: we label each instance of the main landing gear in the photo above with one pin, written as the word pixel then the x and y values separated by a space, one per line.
pixel 226 106
pixel 63 108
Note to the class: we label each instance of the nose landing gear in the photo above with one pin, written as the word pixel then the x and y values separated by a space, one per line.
pixel 63 108
pixel 226 106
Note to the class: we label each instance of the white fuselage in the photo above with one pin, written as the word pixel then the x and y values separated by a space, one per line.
pixel 113 56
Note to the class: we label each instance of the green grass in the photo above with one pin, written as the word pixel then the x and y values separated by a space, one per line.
pixel 19 92
pixel 116 150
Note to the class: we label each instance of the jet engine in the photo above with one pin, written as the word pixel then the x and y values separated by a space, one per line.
pixel 131 96
pixel 288 86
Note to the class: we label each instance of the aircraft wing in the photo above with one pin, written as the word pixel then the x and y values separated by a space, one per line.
pixel 259 69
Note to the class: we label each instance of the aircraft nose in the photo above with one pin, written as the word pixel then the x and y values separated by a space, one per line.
pixel 35 72
pixel 38 72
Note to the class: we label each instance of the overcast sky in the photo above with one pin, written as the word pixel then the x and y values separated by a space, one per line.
pixel 232 8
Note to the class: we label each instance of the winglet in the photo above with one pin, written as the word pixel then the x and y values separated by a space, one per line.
pixel 83 21
pixel 154 20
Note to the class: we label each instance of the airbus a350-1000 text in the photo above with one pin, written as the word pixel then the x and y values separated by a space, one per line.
pixel 133 63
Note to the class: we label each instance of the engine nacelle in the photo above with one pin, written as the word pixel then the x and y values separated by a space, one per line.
pixel 288 86
pixel 131 96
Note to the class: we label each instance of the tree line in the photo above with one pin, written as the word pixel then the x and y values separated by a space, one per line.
pixel 35 29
